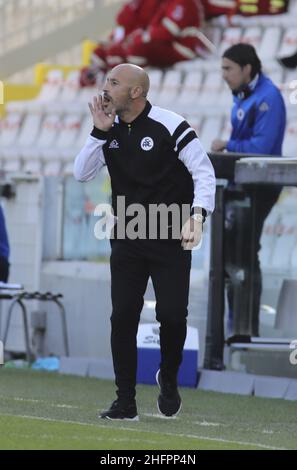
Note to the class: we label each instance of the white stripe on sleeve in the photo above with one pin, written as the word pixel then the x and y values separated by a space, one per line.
pixel 89 160
pixel 200 167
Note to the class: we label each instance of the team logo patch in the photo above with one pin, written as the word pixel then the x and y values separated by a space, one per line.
pixel 264 106
pixel 114 144
pixel 240 114
pixel 147 143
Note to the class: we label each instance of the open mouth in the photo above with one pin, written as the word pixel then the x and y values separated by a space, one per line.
pixel 106 100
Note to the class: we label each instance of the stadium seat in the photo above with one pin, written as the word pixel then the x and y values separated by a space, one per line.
pixel 68 132
pixel 68 168
pixel 289 92
pixel 50 91
pixel 290 142
pixel 48 134
pixel 10 128
pixel 268 237
pixel 156 77
pixel 230 37
pixel 196 123
pixel 52 168
pixel 69 153
pixel 188 96
pixel 32 166
pixel 286 318
pixel 211 130
pixel 210 91
pixel 276 75
pixel 294 261
pixel 80 105
pixel 170 88
pixel 214 34
pixel 285 241
pixel 253 36
pixel 226 128
pixel 69 92
pixel 225 98
pixel 26 138
pixel 288 43
pixel 270 43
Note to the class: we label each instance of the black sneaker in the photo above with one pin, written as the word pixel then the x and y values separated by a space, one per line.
pixel 169 401
pixel 120 411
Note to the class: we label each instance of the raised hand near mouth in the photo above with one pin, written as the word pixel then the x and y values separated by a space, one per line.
pixel 101 120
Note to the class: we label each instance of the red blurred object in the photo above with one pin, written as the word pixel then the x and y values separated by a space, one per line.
pixel 87 77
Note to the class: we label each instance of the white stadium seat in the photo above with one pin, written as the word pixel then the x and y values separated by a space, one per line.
pixel 169 89
pixel 210 90
pixel 50 91
pixel 68 132
pixel 49 131
pixel 230 37
pixel 270 43
pixel 80 104
pixel 290 142
pixel 269 237
pixel 286 241
pixel 253 36
pixel 196 123
pixel 288 43
pixel 156 77
pixel 68 93
pixel 68 154
pixel 26 138
pixel 188 96
pixel 225 98
pixel 32 166
pixel 10 127
pixel 211 130
pixel 226 129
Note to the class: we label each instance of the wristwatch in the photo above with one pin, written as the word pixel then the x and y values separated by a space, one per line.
pixel 198 213
pixel 198 217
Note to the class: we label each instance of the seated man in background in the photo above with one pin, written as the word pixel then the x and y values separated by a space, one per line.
pixel 258 126
pixel 135 14
pixel 151 32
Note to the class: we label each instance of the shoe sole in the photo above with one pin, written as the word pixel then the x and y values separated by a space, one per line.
pixel 180 406
pixel 136 418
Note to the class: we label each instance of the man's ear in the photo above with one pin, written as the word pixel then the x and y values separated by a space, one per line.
pixel 248 69
pixel 136 92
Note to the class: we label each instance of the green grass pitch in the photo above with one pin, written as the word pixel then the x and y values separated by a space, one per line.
pixel 41 410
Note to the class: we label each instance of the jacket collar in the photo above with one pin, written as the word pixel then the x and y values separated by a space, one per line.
pixel 139 118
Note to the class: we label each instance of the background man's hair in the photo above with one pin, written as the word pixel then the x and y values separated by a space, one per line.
pixel 243 54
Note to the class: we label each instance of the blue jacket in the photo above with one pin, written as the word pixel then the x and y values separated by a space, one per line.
pixel 4 245
pixel 258 121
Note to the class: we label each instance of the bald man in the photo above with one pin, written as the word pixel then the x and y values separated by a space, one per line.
pixel 154 159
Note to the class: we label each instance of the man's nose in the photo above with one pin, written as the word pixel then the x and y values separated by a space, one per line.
pixel 105 87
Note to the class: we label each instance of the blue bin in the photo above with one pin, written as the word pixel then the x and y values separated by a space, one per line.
pixel 148 350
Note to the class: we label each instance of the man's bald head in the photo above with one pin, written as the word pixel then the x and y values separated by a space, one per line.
pixel 125 91
pixel 134 75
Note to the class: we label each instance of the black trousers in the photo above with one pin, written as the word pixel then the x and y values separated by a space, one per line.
pixel 238 253
pixel 132 263
pixel 4 269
